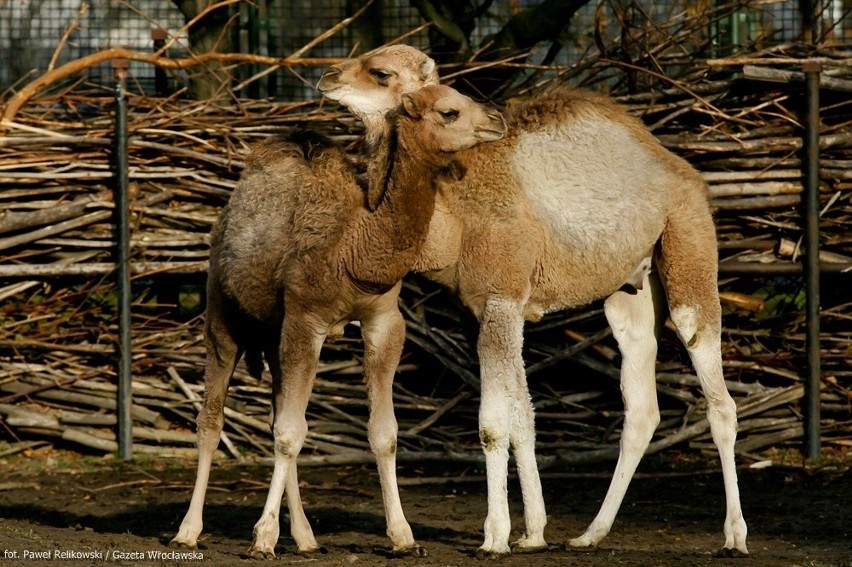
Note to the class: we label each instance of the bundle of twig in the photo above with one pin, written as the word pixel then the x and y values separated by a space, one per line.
pixel 63 389
pixel 184 161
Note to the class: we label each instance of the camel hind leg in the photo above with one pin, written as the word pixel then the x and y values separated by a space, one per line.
pixel 301 341
pixel 631 317
pixel 689 266
pixel 223 353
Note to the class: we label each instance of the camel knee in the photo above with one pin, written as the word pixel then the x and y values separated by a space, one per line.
pixel 211 417
pixel 639 426
pixel 384 448
pixel 495 423
pixel 693 324
pixel 288 447
pixel 685 319
pixel 383 441
pixel 722 415
pixel 289 438
pixel 494 437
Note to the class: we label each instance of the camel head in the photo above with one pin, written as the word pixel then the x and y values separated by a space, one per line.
pixel 371 85
pixel 428 126
pixel 448 121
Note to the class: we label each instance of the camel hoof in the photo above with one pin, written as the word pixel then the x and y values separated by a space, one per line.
pixel 410 551
pixel 585 541
pixel 180 544
pixel 260 554
pixel 490 554
pixel 310 552
pixel 520 548
pixel 582 545
pixel 731 553
pixel 398 552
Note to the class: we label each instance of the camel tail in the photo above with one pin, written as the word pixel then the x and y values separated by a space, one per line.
pixel 254 361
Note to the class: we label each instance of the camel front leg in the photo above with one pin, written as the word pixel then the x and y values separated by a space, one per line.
pixel 523 447
pixel 505 417
pixel 632 320
pixel 384 335
pixel 222 356
pixel 300 349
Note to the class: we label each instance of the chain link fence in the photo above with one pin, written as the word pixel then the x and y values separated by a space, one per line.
pixel 37 35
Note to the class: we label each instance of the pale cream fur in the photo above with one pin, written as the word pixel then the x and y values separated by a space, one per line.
pixel 563 211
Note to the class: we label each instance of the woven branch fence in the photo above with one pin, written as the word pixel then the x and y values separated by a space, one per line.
pixel 58 329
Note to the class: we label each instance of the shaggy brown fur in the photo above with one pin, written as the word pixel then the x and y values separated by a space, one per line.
pixel 296 255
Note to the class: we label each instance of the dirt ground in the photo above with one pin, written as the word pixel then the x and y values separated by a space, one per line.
pixel 73 506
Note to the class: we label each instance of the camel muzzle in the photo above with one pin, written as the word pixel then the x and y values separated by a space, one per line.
pixel 328 81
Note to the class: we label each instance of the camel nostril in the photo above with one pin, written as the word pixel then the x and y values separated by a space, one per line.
pixel 331 72
pixel 328 75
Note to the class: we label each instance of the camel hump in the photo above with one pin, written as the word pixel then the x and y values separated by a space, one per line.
pixel 311 143
pixel 298 143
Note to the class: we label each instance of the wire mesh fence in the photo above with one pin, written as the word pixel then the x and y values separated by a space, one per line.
pixel 38 35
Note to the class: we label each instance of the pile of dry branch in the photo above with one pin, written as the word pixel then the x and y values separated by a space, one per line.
pixel 57 316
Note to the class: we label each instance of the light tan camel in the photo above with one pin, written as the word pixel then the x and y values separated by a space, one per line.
pixel 298 252
pixel 568 208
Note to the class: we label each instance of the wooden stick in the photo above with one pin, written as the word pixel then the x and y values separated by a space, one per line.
pixel 99 268
pixel 429 421
pixel 75 23
pixel 27 92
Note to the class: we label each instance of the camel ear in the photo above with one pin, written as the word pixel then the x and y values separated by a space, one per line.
pixel 427 70
pixel 411 106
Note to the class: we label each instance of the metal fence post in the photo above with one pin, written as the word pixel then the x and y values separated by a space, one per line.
pixel 122 222
pixel 811 258
pixel 161 81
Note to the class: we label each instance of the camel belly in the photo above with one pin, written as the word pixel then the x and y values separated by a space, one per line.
pixel 601 199
pixel 563 282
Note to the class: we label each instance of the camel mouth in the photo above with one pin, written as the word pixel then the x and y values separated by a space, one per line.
pixel 329 87
pixel 333 92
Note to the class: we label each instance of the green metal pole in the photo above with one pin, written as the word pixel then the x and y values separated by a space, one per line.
pixel 122 222
pixel 811 258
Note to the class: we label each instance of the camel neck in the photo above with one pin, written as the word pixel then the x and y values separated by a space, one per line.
pixel 388 240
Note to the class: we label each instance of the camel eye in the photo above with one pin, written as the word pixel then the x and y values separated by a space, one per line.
pixel 449 115
pixel 380 76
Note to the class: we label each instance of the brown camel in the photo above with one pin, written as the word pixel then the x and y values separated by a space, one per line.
pixel 298 252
